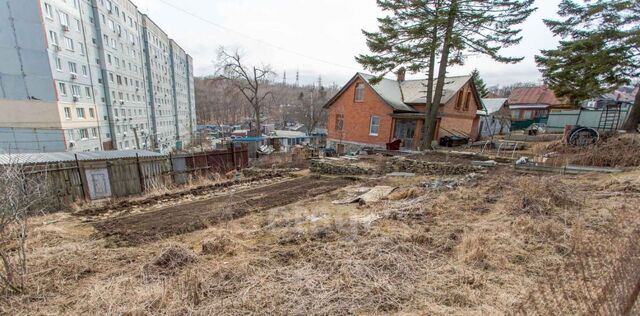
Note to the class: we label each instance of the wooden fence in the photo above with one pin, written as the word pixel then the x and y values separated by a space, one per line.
pixel 185 167
pixel 116 178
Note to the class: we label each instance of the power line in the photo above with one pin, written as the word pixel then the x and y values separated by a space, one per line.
pixel 256 39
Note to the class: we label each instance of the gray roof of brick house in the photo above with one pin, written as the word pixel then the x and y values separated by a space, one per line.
pixel 401 95
pixel 35 158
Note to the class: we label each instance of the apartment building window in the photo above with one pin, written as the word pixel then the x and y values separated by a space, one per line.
pixel 58 64
pixel 84 133
pixel 64 18
pixel 114 44
pixel 111 25
pixel 117 60
pixel 92 114
pixel 53 36
pixel 80 112
pixel 68 43
pixel 62 88
pixel 339 122
pixel 109 60
pixel 374 126
pixel 85 72
pixel 87 93
pixel 81 48
pixel 67 113
pixel 359 97
pixel 70 134
pixel 94 132
pixel 76 90
pixel 77 25
pixel 110 77
pixel 119 79
pixel 48 11
pixel 75 4
pixel 73 67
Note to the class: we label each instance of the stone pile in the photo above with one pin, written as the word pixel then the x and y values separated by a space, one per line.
pixel 326 167
pixel 401 164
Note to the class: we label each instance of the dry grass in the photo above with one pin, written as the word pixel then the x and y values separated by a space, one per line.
pixel 616 151
pixel 460 251
pixel 542 196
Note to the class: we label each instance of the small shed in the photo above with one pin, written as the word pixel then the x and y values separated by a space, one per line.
pixel 495 117
pixel 285 140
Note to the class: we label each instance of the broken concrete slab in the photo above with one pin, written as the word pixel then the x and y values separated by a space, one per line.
pixel 401 174
pixel 488 163
pixel 375 194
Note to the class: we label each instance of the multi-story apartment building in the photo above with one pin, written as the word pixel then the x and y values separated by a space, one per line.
pixel 180 74
pixel 159 83
pixel 89 75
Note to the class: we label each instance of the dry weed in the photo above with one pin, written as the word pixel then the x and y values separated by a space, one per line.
pixel 218 245
pixel 403 194
pixel 170 260
pixel 616 151
pixel 541 196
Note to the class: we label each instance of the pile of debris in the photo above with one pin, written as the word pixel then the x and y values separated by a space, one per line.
pixel 402 164
pixel 442 184
pixel 272 172
pixel 326 167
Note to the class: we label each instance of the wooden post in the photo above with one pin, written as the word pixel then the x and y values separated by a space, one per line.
pixel 84 194
pixel 140 176
pixel 233 155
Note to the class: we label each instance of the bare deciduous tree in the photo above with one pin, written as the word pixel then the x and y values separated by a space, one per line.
pixel 312 107
pixel 23 195
pixel 247 79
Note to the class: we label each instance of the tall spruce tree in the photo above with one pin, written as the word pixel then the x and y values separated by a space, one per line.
pixel 416 33
pixel 480 85
pixel 600 51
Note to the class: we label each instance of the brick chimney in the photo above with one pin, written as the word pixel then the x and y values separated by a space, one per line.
pixel 401 72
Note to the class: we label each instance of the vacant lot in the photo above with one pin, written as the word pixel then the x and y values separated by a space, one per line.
pixel 467 244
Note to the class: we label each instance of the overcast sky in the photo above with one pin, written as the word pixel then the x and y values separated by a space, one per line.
pixel 315 37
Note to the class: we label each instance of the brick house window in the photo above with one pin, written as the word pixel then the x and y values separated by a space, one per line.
pixel 459 100
pixel 359 92
pixel 374 126
pixel 466 101
pixel 339 122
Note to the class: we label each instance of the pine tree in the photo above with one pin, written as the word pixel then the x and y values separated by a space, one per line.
pixel 417 32
pixel 600 51
pixel 480 85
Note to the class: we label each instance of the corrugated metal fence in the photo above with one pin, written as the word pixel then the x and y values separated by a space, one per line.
pixel 588 118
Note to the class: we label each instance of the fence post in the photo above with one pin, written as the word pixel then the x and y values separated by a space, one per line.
pixel 140 176
pixel 84 194
pixel 233 155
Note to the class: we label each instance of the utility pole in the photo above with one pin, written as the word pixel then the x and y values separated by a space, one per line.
pixel 135 135
pixel 284 78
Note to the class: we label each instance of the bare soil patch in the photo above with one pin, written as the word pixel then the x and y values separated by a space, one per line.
pixel 188 217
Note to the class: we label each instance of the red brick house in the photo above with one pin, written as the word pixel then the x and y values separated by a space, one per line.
pixel 362 114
